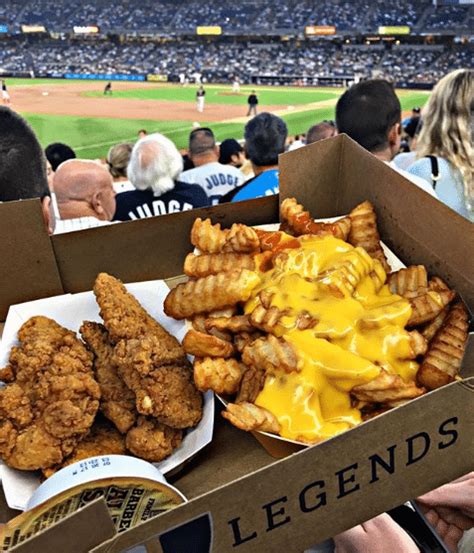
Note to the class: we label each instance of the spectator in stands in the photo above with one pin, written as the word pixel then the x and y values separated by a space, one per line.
pixel 445 151
pixel 22 164
pixel 320 132
pixel 213 177
pixel 231 153
pixel 154 165
pixel 117 162
pixel 85 195
pixel 265 139
pixel 370 113
pixel 297 143
pixel 57 153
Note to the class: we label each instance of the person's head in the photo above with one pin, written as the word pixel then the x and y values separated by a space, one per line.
pixel 84 188
pixel 415 113
pixel 202 146
pixel 231 153
pixel 447 125
pixel 118 158
pixel 155 164
pixel 320 132
pixel 265 138
pixel 22 164
pixel 57 153
pixel 370 113
pixel 142 133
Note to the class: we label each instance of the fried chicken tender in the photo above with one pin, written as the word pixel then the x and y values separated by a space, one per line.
pixel 117 401
pixel 300 222
pixel 364 232
pixel 443 360
pixel 409 282
pixel 152 441
pixel 386 388
pixel 223 376
pixel 103 439
pixel 125 318
pixel 248 416
pixel 210 293
pixel 271 353
pixel 211 264
pixel 428 306
pixel 205 345
pixel 151 362
pixel 52 399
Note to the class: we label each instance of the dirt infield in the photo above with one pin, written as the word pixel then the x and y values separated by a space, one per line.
pixel 66 99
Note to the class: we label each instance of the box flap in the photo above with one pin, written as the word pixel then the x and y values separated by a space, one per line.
pixel 77 533
pixel 147 249
pixel 28 269
pixel 416 226
pixel 323 490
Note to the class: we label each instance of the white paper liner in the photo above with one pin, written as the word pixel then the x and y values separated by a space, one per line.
pixel 70 311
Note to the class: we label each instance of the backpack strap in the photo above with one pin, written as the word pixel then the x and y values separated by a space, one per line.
pixel 434 170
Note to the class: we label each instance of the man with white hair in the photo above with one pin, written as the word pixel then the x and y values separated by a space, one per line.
pixel 154 165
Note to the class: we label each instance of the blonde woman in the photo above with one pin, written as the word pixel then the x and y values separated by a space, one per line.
pixel 117 162
pixel 445 154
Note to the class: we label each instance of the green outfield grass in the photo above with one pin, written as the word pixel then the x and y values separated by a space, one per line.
pixel 276 96
pixel 92 137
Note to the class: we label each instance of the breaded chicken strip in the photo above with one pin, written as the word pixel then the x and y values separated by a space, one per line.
pixel 117 401
pixel 152 440
pixel 52 400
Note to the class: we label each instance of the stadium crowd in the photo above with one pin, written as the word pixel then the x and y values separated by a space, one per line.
pixel 220 61
pixel 59 15
pixel 151 177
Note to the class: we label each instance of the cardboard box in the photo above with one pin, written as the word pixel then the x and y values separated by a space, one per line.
pixel 242 499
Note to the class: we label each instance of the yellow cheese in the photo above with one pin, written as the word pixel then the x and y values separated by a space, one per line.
pixel 360 328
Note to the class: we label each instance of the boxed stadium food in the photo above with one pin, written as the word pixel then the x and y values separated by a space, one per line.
pixel 242 499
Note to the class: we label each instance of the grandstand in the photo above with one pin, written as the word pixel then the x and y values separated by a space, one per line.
pixel 304 42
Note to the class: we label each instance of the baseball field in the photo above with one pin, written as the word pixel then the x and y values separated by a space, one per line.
pixel 78 113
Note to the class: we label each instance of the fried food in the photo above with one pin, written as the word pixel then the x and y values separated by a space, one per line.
pixel 165 391
pixel 117 401
pixel 152 441
pixel 386 388
pixel 409 282
pixel 244 339
pixel 251 385
pixel 271 353
pixel 266 319
pixel 248 416
pixel 151 362
pixel 209 238
pixel 205 345
pixel 103 439
pixel 418 343
pixel 364 232
pixel 52 399
pixel 428 306
pixel 443 360
pixel 223 376
pixel 300 222
pixel 430 330
pixel 234 324
pixel 210 293
pixel 124 318
pixel 211 264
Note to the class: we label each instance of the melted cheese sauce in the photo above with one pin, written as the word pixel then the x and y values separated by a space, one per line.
pixel 359 328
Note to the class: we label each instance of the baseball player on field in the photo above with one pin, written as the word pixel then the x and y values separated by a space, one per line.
pixel 5 95
pixel 200 99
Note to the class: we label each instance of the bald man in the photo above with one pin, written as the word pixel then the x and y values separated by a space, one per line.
pixel 85 195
